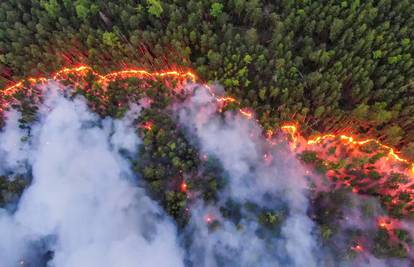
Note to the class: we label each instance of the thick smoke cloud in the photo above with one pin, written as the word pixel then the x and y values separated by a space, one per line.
pixel 13 151
pixel 82 204
pixel 238 143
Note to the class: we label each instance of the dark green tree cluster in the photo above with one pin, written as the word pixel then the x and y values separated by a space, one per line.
pixel 391 244
pixel 328 64
pixel 11 189
pixel 164 159
pixel 171 165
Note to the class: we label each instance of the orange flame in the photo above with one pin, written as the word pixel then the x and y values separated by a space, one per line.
pixel 386 223
pixel 84 70
pixel 147 125
pixel 290 128
pixel 293 130
pixel 226 99
pixel 248 114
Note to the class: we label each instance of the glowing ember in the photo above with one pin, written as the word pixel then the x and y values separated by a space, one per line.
pixel 223 101
pixel 248 114
pixel 358 248
pixel 269 134
pixel 147 125
pixel 354 190
pixel 183 187
pixel 290 128
pixel 208 219
pixel 226 99
pixel 386 223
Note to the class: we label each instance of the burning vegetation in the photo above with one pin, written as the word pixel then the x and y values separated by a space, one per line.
pixel 177 174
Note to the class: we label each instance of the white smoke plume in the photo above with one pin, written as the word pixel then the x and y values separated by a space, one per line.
pixel 82 203
pixel 12 150
pixel 238 143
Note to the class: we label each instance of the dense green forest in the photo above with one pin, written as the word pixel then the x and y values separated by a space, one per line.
pixel 331 65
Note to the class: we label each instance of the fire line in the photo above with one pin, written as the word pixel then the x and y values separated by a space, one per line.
pixel 290 128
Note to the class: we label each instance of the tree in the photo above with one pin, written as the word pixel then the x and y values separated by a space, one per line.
pixel 251 36
pixel 82 8
pixel 154 8
pixel 51 7
pixel 109 39
pixel 216 9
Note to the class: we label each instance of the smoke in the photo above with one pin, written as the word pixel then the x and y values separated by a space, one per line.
pixel 276 183
pixel 83 205
pixel 268 177
pixel 12 150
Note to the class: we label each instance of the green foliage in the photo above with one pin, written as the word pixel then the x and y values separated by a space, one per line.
pixel 82 8
pixel 328 210
pixel 154 8
pixel 331 150
pixel 377 54
pixel 319 111
pixel 166 158
pixel 394 59
pixel 109 39
pixel 333 63
pixel 51 7
pixel 247 59
pixel 327 64
pixel 385 247
pixel 326 232
pixel 175 203
pixel 10 189
pixel 309 156
pixel 216 9
pixel 376 157
pixel 406 42
pixel 269 218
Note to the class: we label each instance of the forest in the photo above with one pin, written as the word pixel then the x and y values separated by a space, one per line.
pixel 329 66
